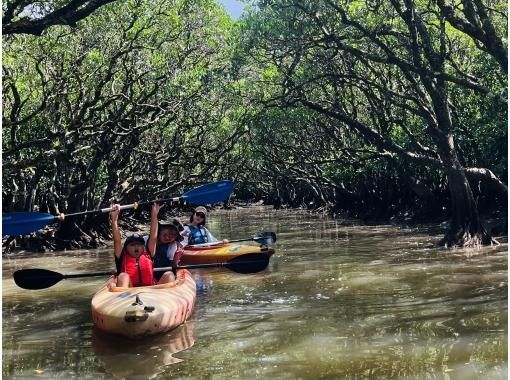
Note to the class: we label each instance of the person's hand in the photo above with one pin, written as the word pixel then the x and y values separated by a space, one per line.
pixel 61 216
pixel 225 241
pixel 114 214
pixel 155 209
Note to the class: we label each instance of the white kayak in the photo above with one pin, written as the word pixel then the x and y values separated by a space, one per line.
pixel 145 310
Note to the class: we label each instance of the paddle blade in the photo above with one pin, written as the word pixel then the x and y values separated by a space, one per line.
pixel 209 193
pixel 248 263
pixel 22 223
pixel 35 279
pixel 265 238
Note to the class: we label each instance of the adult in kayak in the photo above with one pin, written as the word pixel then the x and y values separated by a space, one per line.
pixel 195 231
pixel 134 259
pixel 168 243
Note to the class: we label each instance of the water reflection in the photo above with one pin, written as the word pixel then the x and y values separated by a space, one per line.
pixel 142 359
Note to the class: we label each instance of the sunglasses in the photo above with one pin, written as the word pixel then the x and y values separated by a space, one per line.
pixel 200 214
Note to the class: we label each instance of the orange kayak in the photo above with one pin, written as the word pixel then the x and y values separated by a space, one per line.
pixel 145 310
pixel 220 253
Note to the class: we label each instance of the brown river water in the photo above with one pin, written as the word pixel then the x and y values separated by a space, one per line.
pixel 338 301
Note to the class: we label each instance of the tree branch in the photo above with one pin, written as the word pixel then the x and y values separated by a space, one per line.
pixel 68 14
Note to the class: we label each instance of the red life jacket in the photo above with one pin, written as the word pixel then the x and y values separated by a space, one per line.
pixel 139 269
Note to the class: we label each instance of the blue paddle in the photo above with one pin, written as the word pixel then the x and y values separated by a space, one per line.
pixel 22 223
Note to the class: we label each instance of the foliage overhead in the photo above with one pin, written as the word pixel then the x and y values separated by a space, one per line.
pixel 377 108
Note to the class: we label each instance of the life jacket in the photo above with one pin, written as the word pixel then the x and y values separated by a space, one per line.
pixel 198 235
pixel 140 270
pixel 165 255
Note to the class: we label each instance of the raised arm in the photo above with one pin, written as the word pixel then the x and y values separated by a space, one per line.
pixel 210 236
pixel 117 239
pixel 153 234
pixel 212 239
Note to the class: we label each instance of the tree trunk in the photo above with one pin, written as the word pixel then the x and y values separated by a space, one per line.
pixel 466 229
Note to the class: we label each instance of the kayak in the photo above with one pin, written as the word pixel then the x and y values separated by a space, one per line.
pixel 146 310
pixel 221 252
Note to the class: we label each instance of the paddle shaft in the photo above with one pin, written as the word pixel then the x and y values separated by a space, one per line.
pixel 90 274
pixel 106 273
pixel 226 264
pixel 164 269
pixel 263 237
pixel 124 207
pixel 220 242
pixel 240 240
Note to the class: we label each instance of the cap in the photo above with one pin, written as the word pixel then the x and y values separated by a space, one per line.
pixel 201 209
pixel 133 238
pixel 176 223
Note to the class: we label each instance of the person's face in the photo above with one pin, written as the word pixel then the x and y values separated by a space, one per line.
pixel 135 249
pixel 199 217
pixel 168 235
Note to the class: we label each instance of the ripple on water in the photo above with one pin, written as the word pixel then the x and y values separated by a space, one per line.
pixel 370 281
pixel 35 336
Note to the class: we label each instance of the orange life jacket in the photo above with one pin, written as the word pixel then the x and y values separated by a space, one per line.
pixel 139 269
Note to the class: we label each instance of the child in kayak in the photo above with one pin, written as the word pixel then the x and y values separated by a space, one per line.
pixel 195 232
pixel 134 258
pixel 168 244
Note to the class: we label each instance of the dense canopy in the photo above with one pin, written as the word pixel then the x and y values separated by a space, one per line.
pixel 380 109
